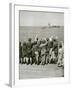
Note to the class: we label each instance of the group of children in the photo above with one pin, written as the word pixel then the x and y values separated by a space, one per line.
pixel 45 51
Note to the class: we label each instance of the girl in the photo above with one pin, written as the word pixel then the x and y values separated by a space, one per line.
pixel 60 55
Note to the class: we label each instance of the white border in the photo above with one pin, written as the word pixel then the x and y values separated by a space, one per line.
pixel 15 51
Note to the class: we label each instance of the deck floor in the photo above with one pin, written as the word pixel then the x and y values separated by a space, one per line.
pixel 40 71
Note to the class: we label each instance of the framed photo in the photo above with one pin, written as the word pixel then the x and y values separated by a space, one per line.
pixel 38 44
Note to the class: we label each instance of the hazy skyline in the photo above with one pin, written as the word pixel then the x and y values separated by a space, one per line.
pixel 31 18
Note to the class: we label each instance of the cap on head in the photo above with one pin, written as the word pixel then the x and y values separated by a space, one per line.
pixel 47 39
pixel 60 45
pixel 19 43
pixel 29 39
pixel 24 43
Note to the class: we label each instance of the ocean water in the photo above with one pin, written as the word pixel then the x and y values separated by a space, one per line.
pixel 41 32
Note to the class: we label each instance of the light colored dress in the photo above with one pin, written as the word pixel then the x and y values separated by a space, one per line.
pixel 60 57
pixel 37 55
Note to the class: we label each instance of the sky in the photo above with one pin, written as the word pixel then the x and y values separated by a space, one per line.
pixel 32 18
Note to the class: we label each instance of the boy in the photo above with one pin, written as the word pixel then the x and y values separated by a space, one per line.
pixel 24 53
pixel 29 51
pixel 47 51
pixel 43 54
pixel 20 53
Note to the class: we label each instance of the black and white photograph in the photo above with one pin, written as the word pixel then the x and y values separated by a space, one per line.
pixel 41 44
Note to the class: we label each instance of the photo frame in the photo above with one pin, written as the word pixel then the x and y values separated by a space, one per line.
pixel 14 44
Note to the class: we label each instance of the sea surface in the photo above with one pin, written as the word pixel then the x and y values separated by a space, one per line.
pixel 41 32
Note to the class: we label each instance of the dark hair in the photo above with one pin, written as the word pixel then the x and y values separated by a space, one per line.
pixel 37 38
pixel 47 39
pixel 29 39
pixel 60 46
pixel 24 43
pixel 19 43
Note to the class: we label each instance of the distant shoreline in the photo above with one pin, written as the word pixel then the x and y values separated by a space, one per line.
pixel 43 26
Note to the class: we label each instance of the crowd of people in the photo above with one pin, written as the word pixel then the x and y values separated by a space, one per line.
pixel 44 51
